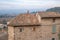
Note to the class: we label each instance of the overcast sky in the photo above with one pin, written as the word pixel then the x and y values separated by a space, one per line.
pixel 28 4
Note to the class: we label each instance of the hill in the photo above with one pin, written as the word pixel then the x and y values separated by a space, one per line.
pixel 55 9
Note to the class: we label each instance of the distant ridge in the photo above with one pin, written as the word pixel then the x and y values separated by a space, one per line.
pixel 55 9
pixel 7 16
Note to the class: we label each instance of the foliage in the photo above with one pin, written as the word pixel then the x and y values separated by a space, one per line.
pixel 55 9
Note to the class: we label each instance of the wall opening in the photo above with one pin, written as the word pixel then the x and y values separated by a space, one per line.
pixel 21 29
pixel 33 28
pixel 53 20
pixel 53 38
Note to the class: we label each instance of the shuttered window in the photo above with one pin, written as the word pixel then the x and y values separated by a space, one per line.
pixel 54 29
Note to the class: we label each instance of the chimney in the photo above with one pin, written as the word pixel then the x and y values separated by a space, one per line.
pixel 27 11
pixel 38 17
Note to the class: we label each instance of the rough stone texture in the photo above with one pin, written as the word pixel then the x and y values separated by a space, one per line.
pixel 46 22
pixel 10 33
pixel 43 32
pixel 26 19
pixel 57 21
pixel 40 33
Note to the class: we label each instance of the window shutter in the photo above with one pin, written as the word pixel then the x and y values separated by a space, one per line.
pixel 54 29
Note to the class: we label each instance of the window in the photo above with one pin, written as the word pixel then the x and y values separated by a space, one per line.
pixel 33 28
pixel 21 29
pixel 53 38
pixel 54 29
pixel 53 19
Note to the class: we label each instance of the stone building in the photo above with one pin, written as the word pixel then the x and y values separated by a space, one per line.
pixel 39 26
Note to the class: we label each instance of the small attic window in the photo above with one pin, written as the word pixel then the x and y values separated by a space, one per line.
pixel 33 28
pixel 21 29
pixel 53 20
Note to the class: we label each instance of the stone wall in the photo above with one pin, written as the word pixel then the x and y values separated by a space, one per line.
pixel 47 27
pixel 10 33
pixel 43 32
pixel 46 22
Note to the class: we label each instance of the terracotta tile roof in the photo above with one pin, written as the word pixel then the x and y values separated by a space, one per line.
pixel 25 19
pixel 49 14
pixel 31 19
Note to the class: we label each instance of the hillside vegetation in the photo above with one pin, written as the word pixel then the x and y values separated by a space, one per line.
pixel 55 9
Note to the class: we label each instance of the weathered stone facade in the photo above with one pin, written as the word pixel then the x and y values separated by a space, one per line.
pixel 43 32
pixel 11 33
pixel 35 32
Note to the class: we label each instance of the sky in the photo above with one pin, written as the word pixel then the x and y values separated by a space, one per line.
pixel 28 4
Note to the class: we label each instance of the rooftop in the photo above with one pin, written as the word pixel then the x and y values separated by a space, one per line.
pixel 25 19
pixel 32 19
pixel 49 14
